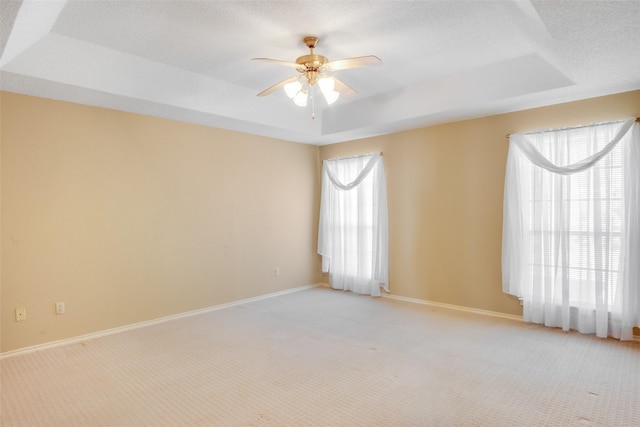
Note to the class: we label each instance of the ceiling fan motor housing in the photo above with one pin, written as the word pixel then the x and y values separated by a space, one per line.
pixel 312 64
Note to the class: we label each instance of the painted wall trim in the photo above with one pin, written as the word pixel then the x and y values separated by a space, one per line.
pixel 455 307
pixel 497 314
pixel 75 340
pixel 443 305
pixel 93 335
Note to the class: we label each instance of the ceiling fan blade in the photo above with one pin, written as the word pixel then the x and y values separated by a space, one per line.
pixel 360 61
pixel 278 86
pixel 343 88
pixel 278 61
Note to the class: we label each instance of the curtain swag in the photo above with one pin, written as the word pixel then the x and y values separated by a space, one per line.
pixel 522 142
pixel 361 176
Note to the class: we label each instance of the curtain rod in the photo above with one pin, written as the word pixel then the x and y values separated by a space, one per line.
pixel 575 127
pixel 352 157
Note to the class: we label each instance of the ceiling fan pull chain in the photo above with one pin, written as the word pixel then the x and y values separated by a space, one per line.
pixel 313 102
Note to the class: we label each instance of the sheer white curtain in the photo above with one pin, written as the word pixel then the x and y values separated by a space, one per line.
pixel 353 231
pixel 571 232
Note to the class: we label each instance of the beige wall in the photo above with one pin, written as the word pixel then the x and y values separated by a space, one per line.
pixel 445 187
pixel 128 218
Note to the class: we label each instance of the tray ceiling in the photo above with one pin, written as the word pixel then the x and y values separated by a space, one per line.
pixel 442 61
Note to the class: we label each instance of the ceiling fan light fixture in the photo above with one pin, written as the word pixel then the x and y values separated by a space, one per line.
pixel 331 97
pixel 314 68
pixel 327 85
pixel 300 99
pixel 292 89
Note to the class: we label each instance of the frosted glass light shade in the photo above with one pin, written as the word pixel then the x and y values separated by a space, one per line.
pixel 292 89
pixel 327 85
pixel 301 99
pixel 331 97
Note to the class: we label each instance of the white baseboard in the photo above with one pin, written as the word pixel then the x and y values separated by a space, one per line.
pixel 443 305
pixel 112 331
pixel 455 307
pixel 93 335
pixel 636 338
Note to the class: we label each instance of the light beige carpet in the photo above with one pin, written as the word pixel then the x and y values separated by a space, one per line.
pixel 326 358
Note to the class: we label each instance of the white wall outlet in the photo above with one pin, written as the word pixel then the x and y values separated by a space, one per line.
pixel 60 308
pixel 21 314
pixel 276 271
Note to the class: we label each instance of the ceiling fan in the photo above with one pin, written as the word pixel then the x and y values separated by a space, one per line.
pixel 314 68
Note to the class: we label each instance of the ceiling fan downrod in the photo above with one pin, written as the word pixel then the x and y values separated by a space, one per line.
pixel 311 62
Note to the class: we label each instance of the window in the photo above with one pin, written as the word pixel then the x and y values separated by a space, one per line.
pixel 571 235
pixel 352 237
pixel 575 224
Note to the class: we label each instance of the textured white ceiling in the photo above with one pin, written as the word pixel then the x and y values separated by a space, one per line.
pixel 442 60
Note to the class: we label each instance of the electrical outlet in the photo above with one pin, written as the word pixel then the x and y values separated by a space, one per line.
pixel 21 314
pixel 60 308
pixel 276 272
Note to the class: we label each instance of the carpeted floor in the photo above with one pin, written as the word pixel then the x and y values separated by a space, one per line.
pixel 320 357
